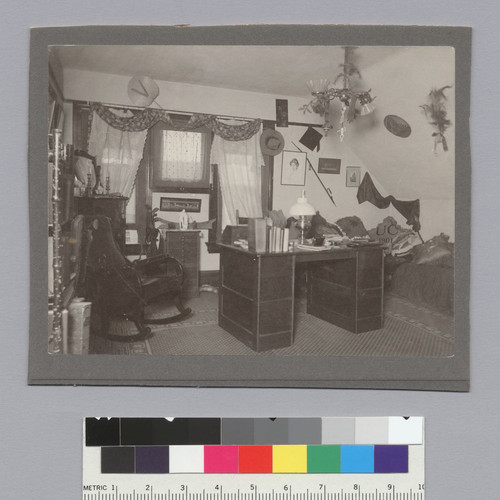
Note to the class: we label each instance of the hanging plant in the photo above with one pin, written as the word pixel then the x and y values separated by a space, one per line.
pixel 435 112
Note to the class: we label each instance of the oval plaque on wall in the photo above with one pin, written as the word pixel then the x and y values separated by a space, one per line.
pixel 397 126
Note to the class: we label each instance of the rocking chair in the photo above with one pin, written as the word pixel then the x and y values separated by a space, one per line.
pixel 118 287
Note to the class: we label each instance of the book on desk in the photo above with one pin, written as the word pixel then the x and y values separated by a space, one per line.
pixel 266 238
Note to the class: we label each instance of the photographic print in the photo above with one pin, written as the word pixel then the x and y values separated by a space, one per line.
pixel 168 204
pixel 352 176
pixel 293 168
pixel 329 165
pixel 281 112
pixel 163 139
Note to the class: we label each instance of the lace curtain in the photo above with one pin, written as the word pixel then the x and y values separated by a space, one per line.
pixel 182 156
pixel 118 152
pixel 239 164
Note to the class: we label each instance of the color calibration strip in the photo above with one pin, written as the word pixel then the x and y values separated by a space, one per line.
pixel 258 459
pixel 253 445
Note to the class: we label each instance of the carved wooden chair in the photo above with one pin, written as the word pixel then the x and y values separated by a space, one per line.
pixel 118 287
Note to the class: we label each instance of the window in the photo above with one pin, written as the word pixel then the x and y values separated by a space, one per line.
pixel 180 159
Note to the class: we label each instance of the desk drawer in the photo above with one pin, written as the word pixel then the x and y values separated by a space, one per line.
pixel 185 247
pixel 239 273
pixel 237 308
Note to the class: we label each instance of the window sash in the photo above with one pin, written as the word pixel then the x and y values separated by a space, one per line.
pixel 182 156
pixel 174 163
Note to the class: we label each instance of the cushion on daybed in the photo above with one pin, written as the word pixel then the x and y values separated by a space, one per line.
pixel 321 227
pixel 352 226
pixel 437 251
pixel 397 240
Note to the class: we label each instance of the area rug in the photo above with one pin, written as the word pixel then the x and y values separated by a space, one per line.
pixel 409 330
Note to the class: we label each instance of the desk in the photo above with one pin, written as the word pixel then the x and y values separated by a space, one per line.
pixel 256 298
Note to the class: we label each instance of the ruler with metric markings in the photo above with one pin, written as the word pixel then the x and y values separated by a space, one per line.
pixel 285 488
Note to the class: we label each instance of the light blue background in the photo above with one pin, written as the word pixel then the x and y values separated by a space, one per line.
pixel 40 430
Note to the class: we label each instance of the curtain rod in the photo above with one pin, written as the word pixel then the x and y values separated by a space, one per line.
pixel 224 117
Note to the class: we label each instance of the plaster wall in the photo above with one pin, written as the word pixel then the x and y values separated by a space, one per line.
pixel 409 168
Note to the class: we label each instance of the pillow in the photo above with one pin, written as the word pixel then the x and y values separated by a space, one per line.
pixel 352 226
pixel 397 240
pixel 403 243
pixel 320 227
pixel 437 250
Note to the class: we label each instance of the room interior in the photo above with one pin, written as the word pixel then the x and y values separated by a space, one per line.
pixel 402 151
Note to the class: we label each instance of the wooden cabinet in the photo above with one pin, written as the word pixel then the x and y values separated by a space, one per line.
pixel 256 298
pixel 110 206
pixel 184 245
pixel 348 292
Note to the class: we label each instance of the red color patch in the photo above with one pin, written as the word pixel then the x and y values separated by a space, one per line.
pixel 256 459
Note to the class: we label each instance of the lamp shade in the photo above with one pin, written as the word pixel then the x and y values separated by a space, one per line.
pixel 301 207
pixel 367 108
pixel 318 86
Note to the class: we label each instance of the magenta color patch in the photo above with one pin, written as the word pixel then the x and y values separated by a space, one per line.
pixel 221 459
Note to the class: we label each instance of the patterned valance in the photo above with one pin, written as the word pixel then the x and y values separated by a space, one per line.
pixel 145 119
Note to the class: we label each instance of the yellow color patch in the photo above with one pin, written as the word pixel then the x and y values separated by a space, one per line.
pixel 289 458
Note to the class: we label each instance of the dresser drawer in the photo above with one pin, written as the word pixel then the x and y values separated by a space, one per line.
pixel 185 247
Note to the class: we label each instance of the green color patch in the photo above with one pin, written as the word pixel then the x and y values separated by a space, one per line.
pixel 323 458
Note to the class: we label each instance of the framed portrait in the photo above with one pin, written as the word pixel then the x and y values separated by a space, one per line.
pixel 293 168
pixel 352 176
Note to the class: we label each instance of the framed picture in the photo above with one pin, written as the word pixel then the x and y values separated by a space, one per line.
pixel 352 176
pixel 329 166
pixel 293 168
pixel 168 204
pixel 282 112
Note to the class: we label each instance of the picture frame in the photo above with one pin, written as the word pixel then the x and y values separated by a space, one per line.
pixel 352 176
pixel 282 112
pixel 169 204
pixel 329 165
pixel 293 168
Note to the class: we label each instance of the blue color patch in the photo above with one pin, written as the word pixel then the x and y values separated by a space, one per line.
pixel 356 458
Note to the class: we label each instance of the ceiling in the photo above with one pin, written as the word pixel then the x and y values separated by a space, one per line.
pixel 279 70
